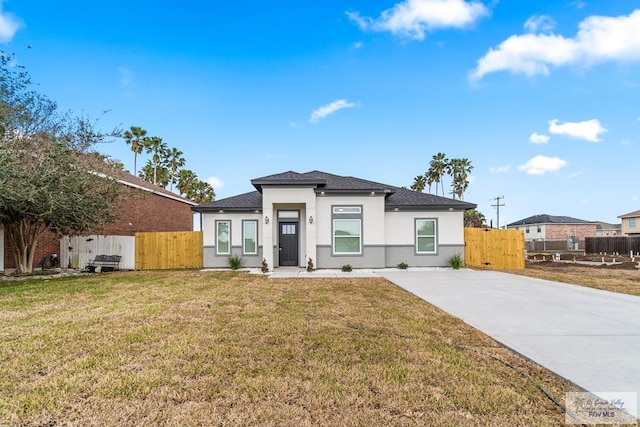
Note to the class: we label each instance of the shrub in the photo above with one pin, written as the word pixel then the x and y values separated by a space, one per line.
pixel 347 268
pixel 310 265
pixel 265 266
pixel 403 266
pixel 235 262
pixel 455 261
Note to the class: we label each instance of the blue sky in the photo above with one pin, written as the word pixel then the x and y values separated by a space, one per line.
pixel 542 96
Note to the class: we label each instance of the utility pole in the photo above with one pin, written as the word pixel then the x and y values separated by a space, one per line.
pixel 497 206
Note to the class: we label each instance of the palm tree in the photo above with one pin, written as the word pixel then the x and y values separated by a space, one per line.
pixel 150 173
pixel 155 146
pixel 174 161
pixel 459 169
pixel 135 138
pixel 419 182
pixel 437 167
pixel 186 178
pixel 474 218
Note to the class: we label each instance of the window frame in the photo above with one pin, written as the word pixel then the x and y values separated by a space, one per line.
pixel 632 224
pixel 244 236
pixel 351 213
pixel 218 223
pixel 434 236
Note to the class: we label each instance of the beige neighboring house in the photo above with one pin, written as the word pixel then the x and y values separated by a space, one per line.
pixel 631 223
pixel 605 229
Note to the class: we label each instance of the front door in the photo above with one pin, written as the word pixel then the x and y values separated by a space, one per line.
pixel 288 244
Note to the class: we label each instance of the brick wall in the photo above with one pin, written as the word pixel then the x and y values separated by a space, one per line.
pixel 562 231
pixel 143 211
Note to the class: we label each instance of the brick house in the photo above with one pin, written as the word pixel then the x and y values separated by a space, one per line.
pixel 550 227
pixel 150 208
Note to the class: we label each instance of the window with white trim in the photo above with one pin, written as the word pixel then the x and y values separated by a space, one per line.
pixel 250 237
pixel 347 230
pixel 632 222
pixel 223 237
pixel 425 236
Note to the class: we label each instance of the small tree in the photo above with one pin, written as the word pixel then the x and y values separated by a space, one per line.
pixel 50 178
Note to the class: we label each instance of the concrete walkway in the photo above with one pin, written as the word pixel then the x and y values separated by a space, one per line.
pixel 587 336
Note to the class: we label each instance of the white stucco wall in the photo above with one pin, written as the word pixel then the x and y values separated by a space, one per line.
pixel 373 218
pixel 533 233
pixel 400 227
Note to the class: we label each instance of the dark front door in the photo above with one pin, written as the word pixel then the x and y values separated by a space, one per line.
pixel 288 243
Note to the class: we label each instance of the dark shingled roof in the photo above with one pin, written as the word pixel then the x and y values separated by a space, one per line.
pixel 549 219
pixel 326 183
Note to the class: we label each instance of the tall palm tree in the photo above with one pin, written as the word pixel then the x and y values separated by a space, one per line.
pixel 174 161
pixel 186 178
pixel 459 169
pixel 419 182
pixel 154 145
pixel 135 138
pixel 437 167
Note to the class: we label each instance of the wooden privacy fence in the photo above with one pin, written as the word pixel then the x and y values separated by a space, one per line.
pixel 170 250
pixel 494 248
pixel 623 245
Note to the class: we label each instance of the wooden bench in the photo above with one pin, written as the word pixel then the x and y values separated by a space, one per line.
pixel 105 262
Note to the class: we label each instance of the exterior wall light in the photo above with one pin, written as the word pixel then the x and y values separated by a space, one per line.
pixel 310 219
pixel 266 220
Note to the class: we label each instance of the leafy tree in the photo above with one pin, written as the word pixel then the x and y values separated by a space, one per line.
pixel 186 178
pixel 437 168
pixel 50 178
pixel 201 192
pixel 419 182
pixel 135 137
pixel 474 218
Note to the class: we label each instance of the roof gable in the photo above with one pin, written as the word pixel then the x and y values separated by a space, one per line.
pixel 630 214
pixel 326 183
pixel 549 219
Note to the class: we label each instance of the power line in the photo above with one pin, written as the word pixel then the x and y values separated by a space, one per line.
pixel 497 206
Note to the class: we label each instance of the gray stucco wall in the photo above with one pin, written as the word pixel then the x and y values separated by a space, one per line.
pixel 211 260
pixel 371 257
pixel 407 254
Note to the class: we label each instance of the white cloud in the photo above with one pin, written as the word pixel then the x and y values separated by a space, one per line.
pixel 500 169
pixel 539 165
pixel 634 198
pixel 599 39
pixel 329 109
pixel 215 182
pixel 625 142
pixel 357 45
pixel 126 76
pixel 588 130
pixel 537 138
pixel 9 25
pixel 539 23
pixel 413 18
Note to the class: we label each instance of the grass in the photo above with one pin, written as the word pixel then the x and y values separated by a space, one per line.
pixel 607 279
pixel 228 348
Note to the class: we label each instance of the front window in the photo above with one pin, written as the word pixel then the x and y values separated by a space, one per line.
pixel 223 237
pixel 347 230
pixel 632 222
pixel 250 237
pixel 425 236
pixel 347 236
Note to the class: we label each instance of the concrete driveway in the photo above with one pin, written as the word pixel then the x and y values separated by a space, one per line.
pixel 587 336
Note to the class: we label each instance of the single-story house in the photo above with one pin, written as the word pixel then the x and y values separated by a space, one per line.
pixel 553 227
pixel 631 223
pixel 333 221
pixel 606 229
pixel 150 208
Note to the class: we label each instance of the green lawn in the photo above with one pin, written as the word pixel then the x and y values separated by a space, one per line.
pixel 192 348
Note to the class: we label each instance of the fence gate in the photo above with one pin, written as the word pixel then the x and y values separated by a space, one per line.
pixel 493 248
pixel 169 250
